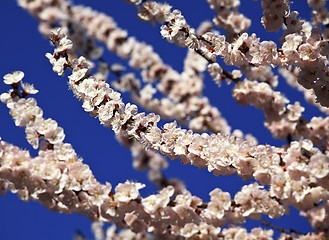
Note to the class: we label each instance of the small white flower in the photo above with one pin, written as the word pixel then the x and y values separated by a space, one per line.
pixel 14 77
pixel 29 88
pixel 51 58
pixel 88 87
pixel 59 66
pixel 105 111
pixel 135 2
pixel 56 136
pixel 64 44
pixel 32 137
pixel 47 125
pixel 57 32
pixel 215 71
pixel 127 191
pixel 169 32
pixel 147 92
pixel 6 98
pixel 78 74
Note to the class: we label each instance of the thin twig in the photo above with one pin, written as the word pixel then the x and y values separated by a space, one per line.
pixel 283 230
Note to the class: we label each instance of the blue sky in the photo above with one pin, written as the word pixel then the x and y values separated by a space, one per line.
pixel 23 48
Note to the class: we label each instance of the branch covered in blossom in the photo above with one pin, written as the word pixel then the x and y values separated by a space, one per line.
pixel 102 101
pixel 61 182
pixel 296 174
pixel 268 165
pixel 283 122
pixel 306 49
pixel 185 102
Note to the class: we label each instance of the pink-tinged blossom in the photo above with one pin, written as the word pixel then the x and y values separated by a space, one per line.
pixel 6 97
pixel 319 166
pixel 147 92
pixel 224 3
pixel 55 136
pixel 201 230
pixel 214 43
pixel 32 137
pixel 295 111
pixel 229 18
pixel 219 202
pixel 174 30
pixel 78 74
pixel 223 198
pixel 255 201
pixel 154 137
pixel 65 152
pixel 153 12
pixel 135 2
pixel 125 192
pixel 189 230
pixel 308 53
pixel 197 158
pixel 106 111
pixel 46 125
pixel 282 128
pixel 135 223
pixel 281 185
pixel 261 234
pixel 169 32
pixel 127 82
pixel 318 127
pixel 318 217
pixel 154 203
pixel 81 64
pixel 215 72
pixel 142 56
pixel 265 53
pixel 274 14
pixel 295 25
pixel 24 111
pixel 88 87
pixel 316 3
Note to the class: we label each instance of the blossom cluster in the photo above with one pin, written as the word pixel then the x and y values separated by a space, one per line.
pixel 60 181
pixel 196 110
pixel 235 155
pixel 264 163
pixel 305 48
pixel 296 174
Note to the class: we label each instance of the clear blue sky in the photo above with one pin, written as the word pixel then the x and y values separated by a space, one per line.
pixel 23 48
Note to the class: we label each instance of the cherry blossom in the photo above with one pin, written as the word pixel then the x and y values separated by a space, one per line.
pixel 14 77
pixel 292 175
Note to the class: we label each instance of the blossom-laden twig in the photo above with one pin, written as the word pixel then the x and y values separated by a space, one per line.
pixel 296 174
pixel 83 22
pixel 229 18
pixel 284 122
pixel 60 181
pixel 142 158
pixel 290 172
pixel 320 13
pixel 290 76
pixel 306 50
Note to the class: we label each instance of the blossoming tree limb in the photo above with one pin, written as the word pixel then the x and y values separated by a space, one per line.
pixel 295 174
